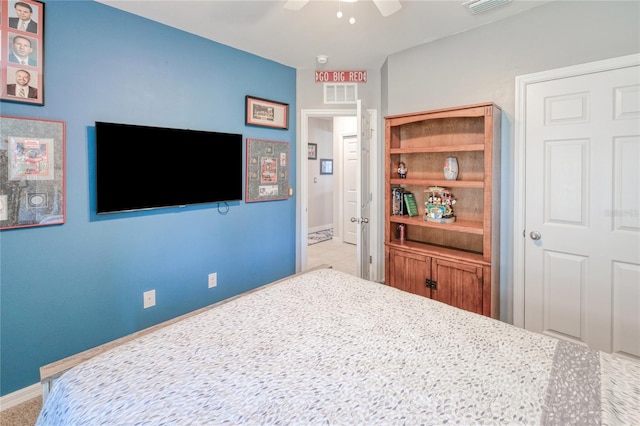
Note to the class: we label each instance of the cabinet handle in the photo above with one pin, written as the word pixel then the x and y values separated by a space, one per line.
pixel 433 285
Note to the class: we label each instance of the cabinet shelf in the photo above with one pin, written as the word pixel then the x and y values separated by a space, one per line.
pixel 435 182
pixel 432 149
pixel 465 226
pixel 435 250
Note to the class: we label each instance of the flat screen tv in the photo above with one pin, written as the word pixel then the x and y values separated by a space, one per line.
pixel 143 167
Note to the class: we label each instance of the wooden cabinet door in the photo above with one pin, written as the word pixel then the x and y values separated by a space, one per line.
pixel 409 272
pixel 458 284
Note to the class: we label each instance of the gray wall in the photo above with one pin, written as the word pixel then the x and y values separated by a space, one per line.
pixel 481 65
pixel 320 187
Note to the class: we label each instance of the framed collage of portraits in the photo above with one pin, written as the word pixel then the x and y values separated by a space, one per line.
pixel 267 170
pixel 32 172
pixel 22 51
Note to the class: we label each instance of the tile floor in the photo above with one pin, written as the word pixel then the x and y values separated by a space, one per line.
pixel 341 256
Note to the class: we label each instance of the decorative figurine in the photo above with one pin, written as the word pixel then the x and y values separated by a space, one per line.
pixel 402 228
pixel 402 170
pixel 439 205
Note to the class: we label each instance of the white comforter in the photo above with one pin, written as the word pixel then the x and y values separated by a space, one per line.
pixel 327 348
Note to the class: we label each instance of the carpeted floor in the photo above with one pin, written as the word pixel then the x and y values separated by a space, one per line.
pixel 320 236
pixel 24 414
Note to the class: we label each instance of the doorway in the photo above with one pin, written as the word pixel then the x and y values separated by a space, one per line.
pixel 331 193
pixel 305 178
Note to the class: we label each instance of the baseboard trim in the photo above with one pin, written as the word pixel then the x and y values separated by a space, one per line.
pixel 22 395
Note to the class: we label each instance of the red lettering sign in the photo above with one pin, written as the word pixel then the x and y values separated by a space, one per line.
pixel 341 76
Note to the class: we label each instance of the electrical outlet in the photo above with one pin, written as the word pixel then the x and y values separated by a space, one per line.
pixel 149 298
pixel 213 279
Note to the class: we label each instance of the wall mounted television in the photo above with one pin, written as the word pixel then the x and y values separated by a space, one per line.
pixel 144 167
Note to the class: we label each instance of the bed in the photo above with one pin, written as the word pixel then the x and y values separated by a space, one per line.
pixel 324 347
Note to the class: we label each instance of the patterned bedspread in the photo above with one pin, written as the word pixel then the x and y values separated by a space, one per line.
pixel 328 348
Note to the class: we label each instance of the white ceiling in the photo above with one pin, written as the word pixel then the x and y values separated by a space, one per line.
pixel 294 38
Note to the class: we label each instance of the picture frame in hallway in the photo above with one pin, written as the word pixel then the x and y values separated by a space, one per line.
pixel 326 166
pixel 21 63
pixel 312 151
pixel 266 113
pixel 32 173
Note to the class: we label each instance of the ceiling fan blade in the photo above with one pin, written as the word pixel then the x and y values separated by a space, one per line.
pixel 295 4
pixel 387 7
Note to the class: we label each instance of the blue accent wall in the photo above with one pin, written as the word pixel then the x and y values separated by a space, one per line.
pixel 67 288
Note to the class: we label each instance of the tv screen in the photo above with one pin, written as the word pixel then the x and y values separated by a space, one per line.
pixel 142 167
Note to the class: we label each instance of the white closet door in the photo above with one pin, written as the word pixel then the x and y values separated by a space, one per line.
pixel 582 204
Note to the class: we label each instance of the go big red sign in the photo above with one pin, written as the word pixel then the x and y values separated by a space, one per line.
pixel 341 76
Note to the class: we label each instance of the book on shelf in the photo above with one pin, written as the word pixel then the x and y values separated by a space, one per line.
pixel 397 206
pixel 410 203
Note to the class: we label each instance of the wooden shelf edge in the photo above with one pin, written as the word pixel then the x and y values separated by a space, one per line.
pixel 435 182
pixel 439 251
pixel 465 226
pixel 473 110
pixel 447 148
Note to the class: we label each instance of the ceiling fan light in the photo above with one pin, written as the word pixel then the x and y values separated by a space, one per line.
pixel 339 14
pixel 352 20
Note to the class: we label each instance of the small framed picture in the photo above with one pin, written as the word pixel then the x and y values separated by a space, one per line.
pixel 326 167
pixel 313 151
pixel 266 113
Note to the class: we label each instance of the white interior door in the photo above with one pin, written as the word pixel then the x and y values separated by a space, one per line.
pixel 581 204
pixel 364 192
pixel 350 188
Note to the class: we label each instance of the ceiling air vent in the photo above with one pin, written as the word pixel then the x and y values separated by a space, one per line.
pixel 479 6
pixel 340 93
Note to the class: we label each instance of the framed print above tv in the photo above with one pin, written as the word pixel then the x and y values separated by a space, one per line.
pixel 22 53
pixel 266 113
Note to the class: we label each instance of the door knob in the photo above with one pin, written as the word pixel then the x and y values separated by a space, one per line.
pixel 365 220
pixel 353 219
pixel 535 235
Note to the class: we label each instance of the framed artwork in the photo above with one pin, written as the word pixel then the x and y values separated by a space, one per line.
pixel 22 51
pixel 326 167
pixel 32 172
pixel 267 170
pixel 313 152
pixel 266 113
